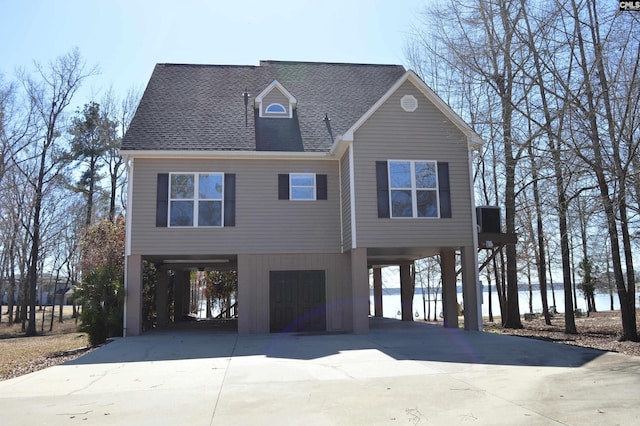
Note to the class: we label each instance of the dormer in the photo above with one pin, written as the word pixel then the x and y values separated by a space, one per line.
pixel 275 102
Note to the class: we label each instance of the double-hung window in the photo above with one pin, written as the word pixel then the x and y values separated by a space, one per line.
pixel 413 188
pixel 196 199
pixel 302 186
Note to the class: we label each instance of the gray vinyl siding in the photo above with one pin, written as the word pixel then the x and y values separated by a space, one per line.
pixel 275 96
pixel 346 201
pixel 264 224
pixel 425 134
pixel 253 286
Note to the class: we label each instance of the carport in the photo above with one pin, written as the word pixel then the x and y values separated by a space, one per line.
pixel 173 288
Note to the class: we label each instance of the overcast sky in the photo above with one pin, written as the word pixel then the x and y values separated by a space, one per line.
pixel 126 38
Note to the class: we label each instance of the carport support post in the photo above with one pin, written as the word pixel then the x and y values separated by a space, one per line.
pixel 360 290
pixel 133 295
pixel 377 291
pixel 186 291
pixel 470 292
pixel 181 283
pixel 449 292
pixel 162 305
pixel 406 291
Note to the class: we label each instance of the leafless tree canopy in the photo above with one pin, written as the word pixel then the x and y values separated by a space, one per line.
pixel 43 209
pixel 552 86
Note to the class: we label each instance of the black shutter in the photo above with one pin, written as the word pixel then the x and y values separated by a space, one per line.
pixel 382 184
pixel 321 187
pixel 162 200
pixel 444 189
pixel 283 187
pixel 229 199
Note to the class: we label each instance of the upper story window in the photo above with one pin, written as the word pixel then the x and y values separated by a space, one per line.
pixel 275 108
pixel 196 199
pixel 302 186
pixel 413 188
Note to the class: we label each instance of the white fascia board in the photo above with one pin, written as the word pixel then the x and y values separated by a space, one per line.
pixel 473 139
pixel 240 155
pixel 280 87
pixel 339 147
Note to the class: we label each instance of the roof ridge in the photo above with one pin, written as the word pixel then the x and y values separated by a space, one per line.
pixel 270 61
pixel 273 62
pixel 169 64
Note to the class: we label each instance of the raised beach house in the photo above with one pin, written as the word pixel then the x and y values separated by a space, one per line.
pixel 302 177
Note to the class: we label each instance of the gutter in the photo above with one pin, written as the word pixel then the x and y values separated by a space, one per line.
pixel 249 155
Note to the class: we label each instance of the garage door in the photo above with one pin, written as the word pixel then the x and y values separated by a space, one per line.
pixel 297 301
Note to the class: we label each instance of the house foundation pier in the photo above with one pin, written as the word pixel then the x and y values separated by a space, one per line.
pixel 377 291
pixel 406 291
pixel 360 290
pixel 133 295
pixel 449 297
pixel 162 298
pixel 471 295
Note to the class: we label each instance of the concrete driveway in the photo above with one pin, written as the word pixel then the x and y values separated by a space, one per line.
pixel 399 373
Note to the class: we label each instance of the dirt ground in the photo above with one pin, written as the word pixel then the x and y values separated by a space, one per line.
pixel 600 330
pixel 21 355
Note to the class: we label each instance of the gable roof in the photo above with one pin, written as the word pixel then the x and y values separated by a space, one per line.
pixel 473 139
pixel 201 107
pixel 275 85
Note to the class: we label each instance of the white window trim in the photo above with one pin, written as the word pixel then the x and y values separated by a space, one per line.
pixel 291 186
pixel 195 200
pixel 414 189
pixel 285 112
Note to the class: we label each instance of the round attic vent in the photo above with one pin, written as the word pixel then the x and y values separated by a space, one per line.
pixel 409 103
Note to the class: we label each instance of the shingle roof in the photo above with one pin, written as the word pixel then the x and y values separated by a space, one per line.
pixel 201 107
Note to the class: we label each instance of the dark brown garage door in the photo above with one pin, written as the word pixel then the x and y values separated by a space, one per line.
pixel 297 301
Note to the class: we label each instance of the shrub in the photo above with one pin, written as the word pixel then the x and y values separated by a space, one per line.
pixel 102 296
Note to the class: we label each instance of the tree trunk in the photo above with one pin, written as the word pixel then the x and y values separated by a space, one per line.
pixel 11 295
pixel 35 240
pixel 560 188
pixel 627 302
pixel 504 80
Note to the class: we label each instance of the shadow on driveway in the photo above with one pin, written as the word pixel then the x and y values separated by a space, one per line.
pixel 399 340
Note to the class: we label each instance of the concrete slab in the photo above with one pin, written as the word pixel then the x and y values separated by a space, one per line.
pixel 399 373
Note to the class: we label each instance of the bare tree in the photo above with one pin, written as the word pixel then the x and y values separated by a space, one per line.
pixel 120 114
pixel 50 93
pixel 478 41
pixel 603 151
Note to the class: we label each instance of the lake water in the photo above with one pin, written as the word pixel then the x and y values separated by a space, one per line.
pixel 391 302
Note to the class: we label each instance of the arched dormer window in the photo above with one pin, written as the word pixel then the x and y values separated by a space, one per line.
pixel 275 108
pixel 275 102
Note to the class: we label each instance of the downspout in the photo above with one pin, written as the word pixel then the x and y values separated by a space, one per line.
pixel 352 196
pixel 127 247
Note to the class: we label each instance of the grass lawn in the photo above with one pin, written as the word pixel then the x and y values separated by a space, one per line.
pixel 20 355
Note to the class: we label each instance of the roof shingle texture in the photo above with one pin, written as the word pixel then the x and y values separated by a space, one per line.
pixel 201 107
